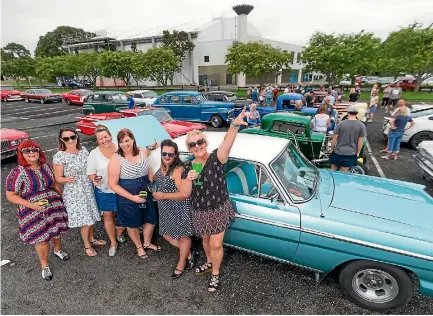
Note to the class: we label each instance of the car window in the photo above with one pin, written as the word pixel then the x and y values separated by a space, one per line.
pixel 175 99
pixel 118 97
pixel 163 100
pixel 422 112
pixel 187 99
pixel 30 92
pixel 74 93
pixel 150 94
pixel 137 95
pixel 231 97
pixel 279 126
pixel 107 98
pixel 95 98
pixel 219 98
pixel 211 97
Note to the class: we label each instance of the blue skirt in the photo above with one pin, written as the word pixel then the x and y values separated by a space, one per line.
pixel 105 201
pixel 129 214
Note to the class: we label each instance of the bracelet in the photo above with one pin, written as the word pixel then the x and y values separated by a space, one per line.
pixel 235 126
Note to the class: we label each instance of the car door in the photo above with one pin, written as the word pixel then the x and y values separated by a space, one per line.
pixel 264 223
pixel 191 108
pixel 95 102
pixel 176 108
pixel 74 97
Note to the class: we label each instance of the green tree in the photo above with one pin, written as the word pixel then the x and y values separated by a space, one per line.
pixel 11 68
pixel 44 69
pixel 27 66
pixel 90 66
pixel 118 65
pixel 137 60
pixel 410 51
pixel 51 44
pixel 158 64
pixel 179 42
pixel 256 58
pixel 16 50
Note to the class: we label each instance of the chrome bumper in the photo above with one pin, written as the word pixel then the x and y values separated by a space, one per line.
pixel 8 153
pixel 425 164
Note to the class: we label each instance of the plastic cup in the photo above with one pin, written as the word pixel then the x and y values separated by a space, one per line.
pixel 197 167
pixel 142 194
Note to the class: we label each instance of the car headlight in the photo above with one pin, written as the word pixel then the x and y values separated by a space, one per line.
pixel 15 142
pixel 9 95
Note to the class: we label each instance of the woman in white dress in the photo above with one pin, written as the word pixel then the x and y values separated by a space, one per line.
pixel 70 169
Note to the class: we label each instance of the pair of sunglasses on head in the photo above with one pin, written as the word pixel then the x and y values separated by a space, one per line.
pixel 30 150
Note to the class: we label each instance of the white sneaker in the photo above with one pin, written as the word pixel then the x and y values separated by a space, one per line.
pixel 46 274
pixel 112 252
pixel 62 255
pixel 369 121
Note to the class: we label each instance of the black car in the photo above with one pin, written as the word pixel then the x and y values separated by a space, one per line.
pixel 226 96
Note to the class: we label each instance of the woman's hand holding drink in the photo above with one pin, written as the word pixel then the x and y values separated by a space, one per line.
pixel 197 167
pixel 143 195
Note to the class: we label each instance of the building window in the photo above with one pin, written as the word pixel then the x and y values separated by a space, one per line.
pixel 206 59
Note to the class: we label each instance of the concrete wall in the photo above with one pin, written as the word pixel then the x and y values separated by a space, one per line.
pixel 224 28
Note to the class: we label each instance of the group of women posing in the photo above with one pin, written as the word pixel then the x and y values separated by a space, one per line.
pixel 117 182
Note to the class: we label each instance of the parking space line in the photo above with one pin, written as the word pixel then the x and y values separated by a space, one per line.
pixel 28 108
pixel 52 113
pixel 375 162
pixel 32 110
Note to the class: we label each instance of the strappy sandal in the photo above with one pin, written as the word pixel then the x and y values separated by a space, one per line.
pixel 94 253
pixel 204 268
pixel 175 275
pixel 144 256
pixel 99 242
pixel 213 284
pixel 158 248
pixel 190 263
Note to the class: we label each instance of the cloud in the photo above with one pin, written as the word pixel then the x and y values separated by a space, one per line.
pixel 23 21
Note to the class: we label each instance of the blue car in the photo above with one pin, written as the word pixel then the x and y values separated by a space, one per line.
pixel 193 106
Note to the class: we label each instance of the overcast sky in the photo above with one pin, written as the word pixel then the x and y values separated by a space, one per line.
pixel 23 21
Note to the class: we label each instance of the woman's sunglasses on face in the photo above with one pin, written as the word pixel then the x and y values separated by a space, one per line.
pixel 171 155
pixel 66 138
pixel 199 143
pixel 29 150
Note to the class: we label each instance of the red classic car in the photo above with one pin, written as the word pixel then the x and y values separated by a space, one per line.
pixel 41 95
pixel 8 93
pixel 76 96
pixel 10 139
pixel 405 83
pixel 174 128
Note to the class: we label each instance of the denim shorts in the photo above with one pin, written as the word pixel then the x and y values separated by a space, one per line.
pixel 372 109
pixel 343 160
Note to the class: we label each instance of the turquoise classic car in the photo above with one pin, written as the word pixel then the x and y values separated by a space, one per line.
pixel 193 106
pixel 375 234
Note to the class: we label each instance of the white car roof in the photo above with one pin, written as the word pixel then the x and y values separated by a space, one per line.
pixel 421 106
pixel 258 148
pixel 140 91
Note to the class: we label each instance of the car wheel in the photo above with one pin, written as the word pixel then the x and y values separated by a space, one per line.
pixel 375 285
pixel 216 121
pixel 42 101
pixel 360 168
pixel 4 99
pixel 27 100
pixel 419 137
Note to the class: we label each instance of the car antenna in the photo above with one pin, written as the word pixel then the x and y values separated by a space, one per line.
pixel 317 192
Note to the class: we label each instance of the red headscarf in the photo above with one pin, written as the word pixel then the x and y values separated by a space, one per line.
pixel 29 144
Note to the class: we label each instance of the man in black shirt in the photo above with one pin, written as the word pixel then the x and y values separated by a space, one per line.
pixel 309 98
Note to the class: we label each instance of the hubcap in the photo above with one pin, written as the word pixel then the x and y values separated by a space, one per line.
pixel 375 286
pixel 215 122
pixel 423 137
pixel 356 170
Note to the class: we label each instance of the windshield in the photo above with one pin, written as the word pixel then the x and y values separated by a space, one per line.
pixel 118 97
pixel 423 112
pixel 296 173
pixel 150 94
pixel 5 88
pixel 231 97
pixel 85 92
pixel 161 115
pixel 200 98
pixel 42 91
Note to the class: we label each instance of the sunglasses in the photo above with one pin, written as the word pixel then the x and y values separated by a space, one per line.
pixel 171 155
pixel 30 150
pixel 66 138
pixel 199 143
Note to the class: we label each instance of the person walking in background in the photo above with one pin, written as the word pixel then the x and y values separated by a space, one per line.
pixel 394 97
pixel 398 126
pixel 131 101
pixel 255 95
pixel 253 116
pixel 287 90
pixel 309 98
pixel 353 95
pixel 70 170
pixel 276 91
pixel 374 101
pixel 42 216
pixel 328 105
pixel 175 219
pixel 128 176
pixel 269 96
pixel 330 98
pixel 358 90
pixel 374 88
pixel 321 120
pixel 97 171
pixel 262 96
pixel 211 215
pixel 347 142
pixel 386 94
pixel 249 91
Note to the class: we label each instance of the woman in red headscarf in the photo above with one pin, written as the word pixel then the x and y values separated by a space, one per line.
pixel 41 214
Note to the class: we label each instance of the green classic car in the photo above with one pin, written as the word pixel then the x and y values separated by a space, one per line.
pixel 296 126
pixel 106 101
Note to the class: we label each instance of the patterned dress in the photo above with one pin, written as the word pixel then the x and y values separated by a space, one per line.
pixel 34 185
pixel 78 196
pixel 212 209
pixel 174 216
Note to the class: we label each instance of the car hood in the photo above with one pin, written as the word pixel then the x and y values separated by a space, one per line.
pixel 393 200
pixel 11 134
pixel 10 92
pixel 189 125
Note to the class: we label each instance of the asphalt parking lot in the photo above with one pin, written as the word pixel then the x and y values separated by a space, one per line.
pixel 125 284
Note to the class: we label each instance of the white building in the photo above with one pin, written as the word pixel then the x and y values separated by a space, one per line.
pixel 205 64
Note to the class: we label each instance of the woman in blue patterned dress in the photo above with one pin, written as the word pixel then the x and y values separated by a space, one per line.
pixel 175 222
pixel 26 185
pixel 70 169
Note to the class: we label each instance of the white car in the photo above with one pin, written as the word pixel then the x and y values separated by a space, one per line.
pixel 424 158
pixel 421 131
pixel 146 96
pixel 345 83
pixel 427 82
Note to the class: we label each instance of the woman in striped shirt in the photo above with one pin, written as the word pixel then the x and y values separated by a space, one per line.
pixel 128 175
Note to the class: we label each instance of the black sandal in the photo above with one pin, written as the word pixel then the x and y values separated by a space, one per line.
pixel 204 268
pixel 158 248
pixel 175 276
pixel 142 256
pixel 213 284
pixel 190 263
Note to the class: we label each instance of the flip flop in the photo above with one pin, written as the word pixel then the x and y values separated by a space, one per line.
pixel 97 242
